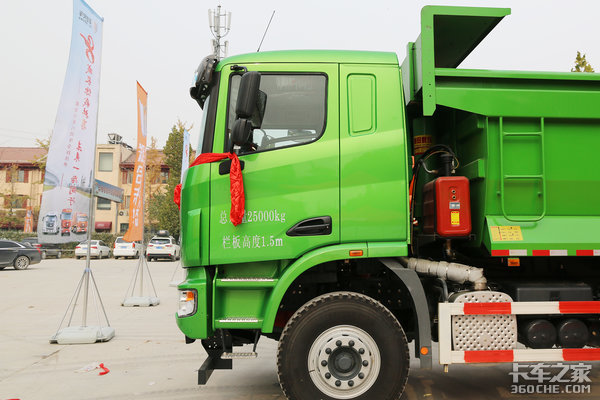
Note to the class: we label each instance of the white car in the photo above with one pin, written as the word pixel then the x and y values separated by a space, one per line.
pixel 126 249
pixel 98 249
pixel 163 247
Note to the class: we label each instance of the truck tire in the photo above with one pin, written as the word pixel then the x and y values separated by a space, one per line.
pixel 343 345
pixel 21 262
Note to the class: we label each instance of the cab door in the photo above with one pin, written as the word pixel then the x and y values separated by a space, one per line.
pixel 291 175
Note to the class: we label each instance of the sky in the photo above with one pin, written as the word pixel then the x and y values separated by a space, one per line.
pixel 160 44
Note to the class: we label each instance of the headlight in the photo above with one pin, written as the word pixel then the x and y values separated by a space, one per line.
pixel 187 302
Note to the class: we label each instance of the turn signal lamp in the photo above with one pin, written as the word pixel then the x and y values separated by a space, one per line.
pixel 187 303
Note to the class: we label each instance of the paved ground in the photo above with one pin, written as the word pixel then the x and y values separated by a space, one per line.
pixel 148 358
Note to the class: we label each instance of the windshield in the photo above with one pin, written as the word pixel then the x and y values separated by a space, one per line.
pixel 51 218
pixel 82 218
pixel 205 112
pixel 160 241
pixel 65 215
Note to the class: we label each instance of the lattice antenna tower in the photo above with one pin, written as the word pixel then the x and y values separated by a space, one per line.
pixel 220 24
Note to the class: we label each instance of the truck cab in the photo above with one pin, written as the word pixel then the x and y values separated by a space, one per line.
pixel 50 224
pixel 65 221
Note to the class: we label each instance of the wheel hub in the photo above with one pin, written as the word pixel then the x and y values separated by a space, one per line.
pixel 344 362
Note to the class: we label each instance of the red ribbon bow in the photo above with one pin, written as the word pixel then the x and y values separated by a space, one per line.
pixel 236 184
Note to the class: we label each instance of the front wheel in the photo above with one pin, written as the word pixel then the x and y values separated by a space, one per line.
pixel 343 345
pixel 21 262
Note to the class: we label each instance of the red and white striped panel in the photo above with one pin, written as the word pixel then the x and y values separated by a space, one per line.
pixel 588 253
pixel 525 355
pixel 449 356
pixel 543 253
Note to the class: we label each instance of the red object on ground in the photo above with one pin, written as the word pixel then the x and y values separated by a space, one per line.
pixel 236 183
pixel 104 369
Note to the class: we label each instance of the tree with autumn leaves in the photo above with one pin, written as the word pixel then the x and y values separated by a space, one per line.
pixel 161 208
pixel 581 64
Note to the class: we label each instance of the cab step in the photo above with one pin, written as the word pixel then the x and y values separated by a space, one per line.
pixel 239 355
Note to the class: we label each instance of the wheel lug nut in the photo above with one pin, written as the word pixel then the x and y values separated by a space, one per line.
pixel 361 351
pixel 365 363
pixel 327 375
pixel 350 383
pixel 328 351
pixel 361 375
pixel 338 343
pixel 351 343
pixel 324 363
pixel 338 383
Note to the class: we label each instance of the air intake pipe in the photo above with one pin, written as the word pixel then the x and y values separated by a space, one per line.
pixel 454 272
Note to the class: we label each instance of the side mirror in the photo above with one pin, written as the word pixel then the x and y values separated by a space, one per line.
pixel 241 132
pixel 251 102
pixel 247 95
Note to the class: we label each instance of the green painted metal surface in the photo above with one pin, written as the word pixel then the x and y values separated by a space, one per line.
pixel 373 169
pixel 194 229
pixel 282 187
pixel 198 325
pixel 527 141
pixel 310 56
pixel 448 35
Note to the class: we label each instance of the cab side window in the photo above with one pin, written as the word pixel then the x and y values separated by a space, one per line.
pixel 295 110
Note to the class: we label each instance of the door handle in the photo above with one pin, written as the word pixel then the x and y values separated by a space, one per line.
pixel 225 167
pixel 311 227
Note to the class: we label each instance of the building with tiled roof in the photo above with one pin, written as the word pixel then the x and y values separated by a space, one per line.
pixel 21 182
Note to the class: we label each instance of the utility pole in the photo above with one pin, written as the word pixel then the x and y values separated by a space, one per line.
pixel 220 23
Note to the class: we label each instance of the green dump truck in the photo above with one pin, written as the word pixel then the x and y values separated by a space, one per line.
pixel 390 203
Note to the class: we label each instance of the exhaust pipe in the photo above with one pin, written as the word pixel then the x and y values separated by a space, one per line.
pixel 454 272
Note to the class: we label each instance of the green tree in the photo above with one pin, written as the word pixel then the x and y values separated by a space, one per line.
pixel 581 64
pixel 40 161
pixel 161 206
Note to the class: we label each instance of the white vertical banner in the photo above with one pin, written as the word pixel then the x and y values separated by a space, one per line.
pixel 69 167
pixel 185 157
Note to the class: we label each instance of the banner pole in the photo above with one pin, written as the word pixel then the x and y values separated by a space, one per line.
pixel 83 34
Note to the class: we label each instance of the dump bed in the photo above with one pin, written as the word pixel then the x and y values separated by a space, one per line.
pixel 528 141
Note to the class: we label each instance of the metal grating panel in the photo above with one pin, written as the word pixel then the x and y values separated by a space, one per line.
pixel 484 332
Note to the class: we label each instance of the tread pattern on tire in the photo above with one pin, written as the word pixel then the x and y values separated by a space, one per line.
pixel 316 302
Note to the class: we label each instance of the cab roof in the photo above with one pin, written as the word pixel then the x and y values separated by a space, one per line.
pixel 313 56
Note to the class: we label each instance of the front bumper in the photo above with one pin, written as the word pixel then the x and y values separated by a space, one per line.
pixel 199 324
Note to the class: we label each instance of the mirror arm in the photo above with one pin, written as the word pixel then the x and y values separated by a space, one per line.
pixel 239 68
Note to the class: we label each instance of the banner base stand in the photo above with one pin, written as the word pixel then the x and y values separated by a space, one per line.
pixel 141 301
pixel 83 335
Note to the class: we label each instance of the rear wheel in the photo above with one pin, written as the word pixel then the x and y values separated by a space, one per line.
pixel 343 345
pixel 21 262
